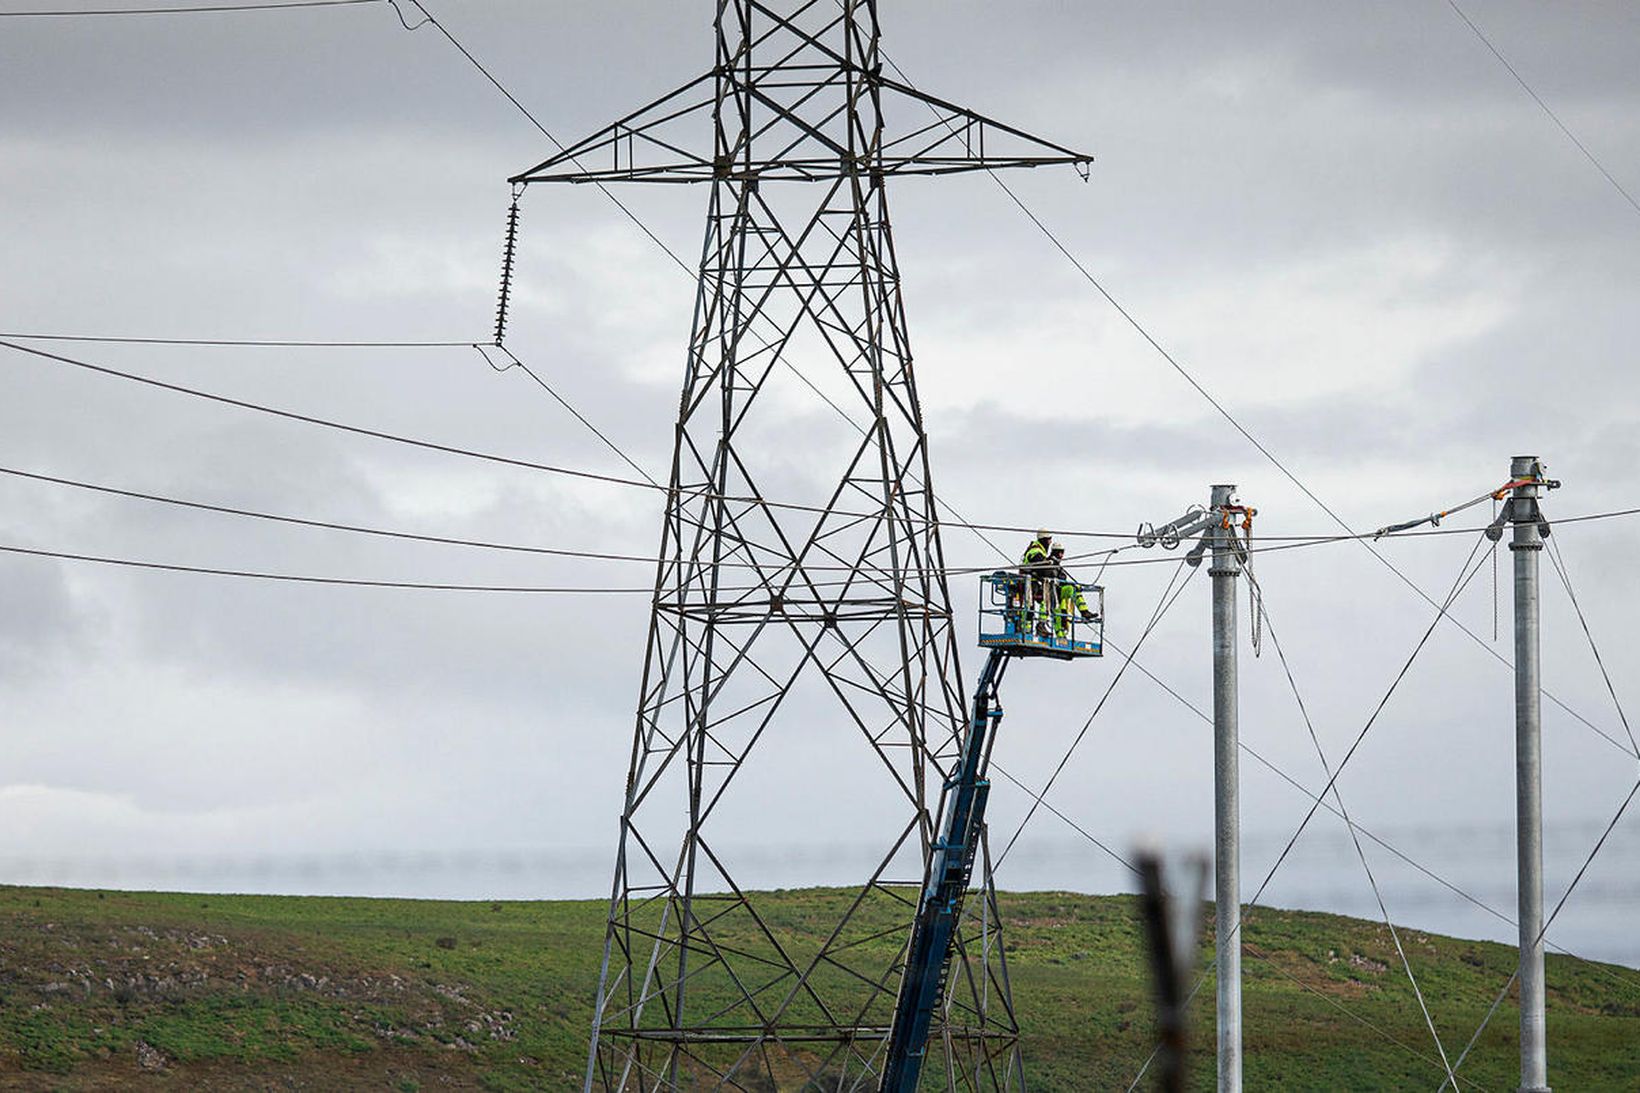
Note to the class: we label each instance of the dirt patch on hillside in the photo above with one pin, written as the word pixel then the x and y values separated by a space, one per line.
pixel 1318 977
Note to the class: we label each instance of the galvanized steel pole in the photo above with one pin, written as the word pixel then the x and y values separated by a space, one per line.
pixel 1226 799
pixel 1526 545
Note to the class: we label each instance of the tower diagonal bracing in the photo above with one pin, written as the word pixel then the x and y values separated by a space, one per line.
pixel 777 624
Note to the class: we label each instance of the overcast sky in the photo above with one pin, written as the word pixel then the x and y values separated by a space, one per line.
pixel 1348 221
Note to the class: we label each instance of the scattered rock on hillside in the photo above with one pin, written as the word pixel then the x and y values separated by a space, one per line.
pixel 150 1057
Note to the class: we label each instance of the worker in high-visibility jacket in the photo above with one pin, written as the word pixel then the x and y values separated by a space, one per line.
pixel 1068 594
pixel 1036 567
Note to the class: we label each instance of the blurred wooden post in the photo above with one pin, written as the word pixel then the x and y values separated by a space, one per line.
pixel 1172 934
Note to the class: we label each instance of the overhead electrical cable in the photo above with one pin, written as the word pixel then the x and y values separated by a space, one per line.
pixel 648 482
pixel 514 362
pixel 296 578
pixel 1466 573
pixel 362 582
pixel 429 17
pixel 252 343
pixel 1559 905
pixel 391 533
pixel 644 483
pixel 1223 412
pixel 446 540
pixel 327 423
pixel 1074 826
pixel 1350 533
pixel 328 525
pixel 396 438
pixel 1600 661
pixel 1168 598
pixel 1384 844
pixel 1262 607
pixel 1544 106
pixel 1275 966
pixel 190 9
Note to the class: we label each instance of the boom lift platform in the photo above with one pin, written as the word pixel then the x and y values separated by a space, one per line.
pixel 1016 620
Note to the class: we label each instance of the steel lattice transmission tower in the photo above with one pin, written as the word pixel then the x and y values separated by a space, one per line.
pixel 823 612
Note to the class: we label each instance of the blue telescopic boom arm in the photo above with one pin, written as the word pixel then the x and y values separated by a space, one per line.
pixel 928 957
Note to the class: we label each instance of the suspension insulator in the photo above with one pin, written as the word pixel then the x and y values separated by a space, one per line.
pixel 506 271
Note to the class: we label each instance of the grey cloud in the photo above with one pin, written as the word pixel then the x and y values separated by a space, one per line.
pixel 42 624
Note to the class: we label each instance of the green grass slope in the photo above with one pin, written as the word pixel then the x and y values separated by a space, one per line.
pixel 155 990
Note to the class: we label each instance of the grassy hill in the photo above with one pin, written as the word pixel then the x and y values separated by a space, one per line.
pixel 158 990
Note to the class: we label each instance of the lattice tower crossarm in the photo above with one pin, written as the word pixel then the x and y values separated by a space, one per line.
pixel 704 983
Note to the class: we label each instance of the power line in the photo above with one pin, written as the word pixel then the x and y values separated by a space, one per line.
pixel 429 17
pixel 378 434
pixel 445 540
pixel 1351 533
pixel 1581 872
pixel 1600 661
pixel 296 578
pixel 1544 106
pixel 186 10
pixel 1466 573
pixel 646 483
pixel 1599 843
pixel 1163 604
pixel 327 525
pixel 362 582
pixel 1261 608
pixel 309 419
pixel 514 362
pixel 114 339
pixel 1248 436
pixel 1372 836
pixel 385 533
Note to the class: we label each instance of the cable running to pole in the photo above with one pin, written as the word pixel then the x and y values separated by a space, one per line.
pixel 645 483
pixel 1559 564
pixel 1544 106
pixel 1163 603
pixel 231 343
pixel 1465 575
pixel 296 578
pixel 515 362
pixel 1261 606
pixel 1582 870
pixel 1183 372
pixel 199 9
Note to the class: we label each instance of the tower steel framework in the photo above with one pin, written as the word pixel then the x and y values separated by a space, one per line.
pixel 820 614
